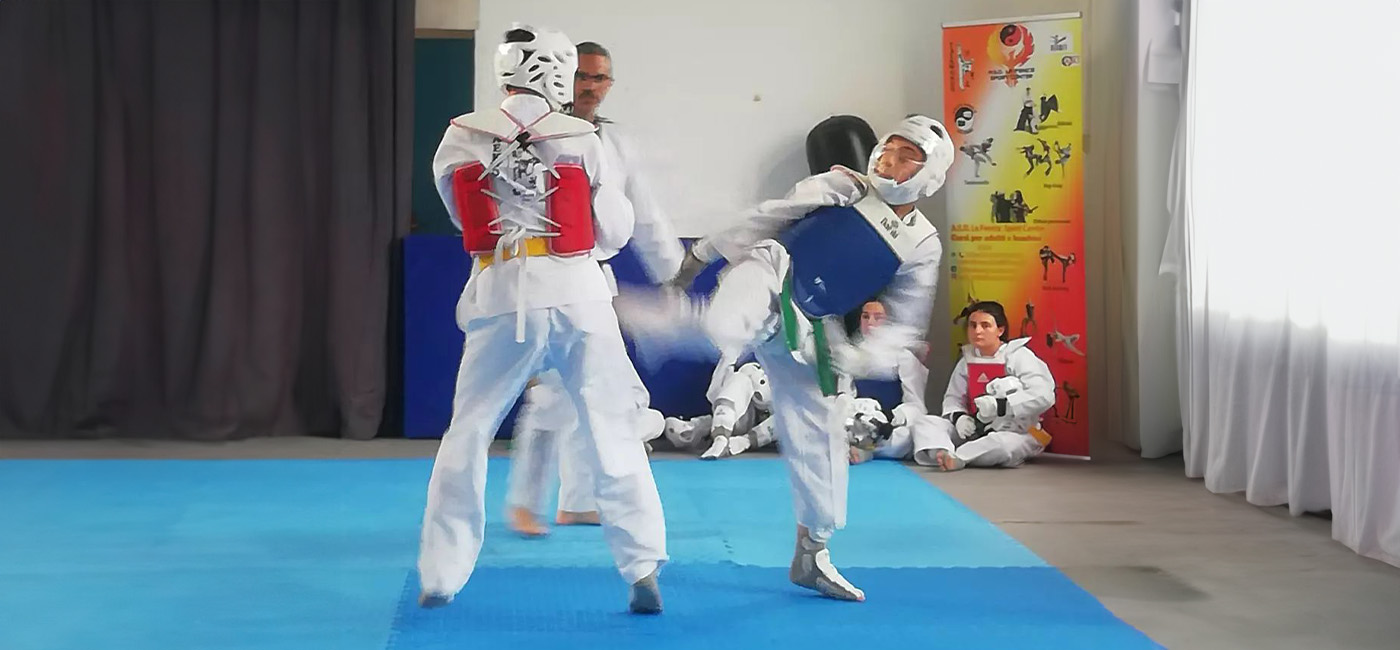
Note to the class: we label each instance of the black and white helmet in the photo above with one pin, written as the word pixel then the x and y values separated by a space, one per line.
pixel 545 62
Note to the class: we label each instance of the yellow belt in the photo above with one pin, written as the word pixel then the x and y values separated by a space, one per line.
pixel 534 247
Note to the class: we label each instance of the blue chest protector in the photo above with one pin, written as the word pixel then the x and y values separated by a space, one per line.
pixel 840 259
pixel 888 392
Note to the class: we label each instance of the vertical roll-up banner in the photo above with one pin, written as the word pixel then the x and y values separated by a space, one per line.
pixel 1014 103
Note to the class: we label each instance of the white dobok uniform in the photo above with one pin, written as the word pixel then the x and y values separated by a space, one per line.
pixel 745 312
pixel 546 443
pixel 534 304
pixel 1007 441
pixel 910 420
pixel 544 438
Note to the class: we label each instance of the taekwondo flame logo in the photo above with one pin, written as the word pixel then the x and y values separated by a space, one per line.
pixel 1011 46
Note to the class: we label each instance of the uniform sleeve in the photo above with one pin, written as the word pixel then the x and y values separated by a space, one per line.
pixel 771 217
pixel 913 381
pixel 955 398
pixel 613 219
pixel 1037 394
pixel 451 154
pixel 654 238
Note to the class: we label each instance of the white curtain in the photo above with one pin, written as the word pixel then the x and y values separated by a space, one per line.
pixel 1285 243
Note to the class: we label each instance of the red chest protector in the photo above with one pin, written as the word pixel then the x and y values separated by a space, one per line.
pixel 980 373
pixel 568 205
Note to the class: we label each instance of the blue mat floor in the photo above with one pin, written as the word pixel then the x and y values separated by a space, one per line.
pixel 320 554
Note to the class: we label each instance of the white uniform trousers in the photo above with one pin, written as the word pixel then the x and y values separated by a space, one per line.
pixel 996 449
pixel 744 308
pixel 584 343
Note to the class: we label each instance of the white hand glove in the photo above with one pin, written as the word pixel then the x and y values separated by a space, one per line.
pixel 903 414
pixel 1004 386
pixel 863 421
pixel 986 408
pixel 848 359
pixel 870 408
pixel 966 427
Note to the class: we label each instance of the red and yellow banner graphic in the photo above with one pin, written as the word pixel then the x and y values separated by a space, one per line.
pixel 1013 101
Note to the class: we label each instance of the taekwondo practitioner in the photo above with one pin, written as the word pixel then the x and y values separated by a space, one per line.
pixel 529 187
pixel 992 408
pixel 790 281
pixel 876 433
pixel 739 420
pixel 544 443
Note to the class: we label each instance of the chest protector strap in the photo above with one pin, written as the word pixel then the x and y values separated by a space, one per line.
pixel 562 210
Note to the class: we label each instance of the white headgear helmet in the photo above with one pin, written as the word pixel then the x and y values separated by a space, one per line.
pixel 928 135
pixel 763 394
pixel 545 63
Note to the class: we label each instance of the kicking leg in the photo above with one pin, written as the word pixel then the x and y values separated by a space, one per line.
pixel 814 447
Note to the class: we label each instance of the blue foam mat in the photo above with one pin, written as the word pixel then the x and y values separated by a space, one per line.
pixel 320 554
pixel 748 607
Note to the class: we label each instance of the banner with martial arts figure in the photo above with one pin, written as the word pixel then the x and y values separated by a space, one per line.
pixel 1013 100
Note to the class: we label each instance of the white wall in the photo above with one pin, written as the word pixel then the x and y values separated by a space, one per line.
pixel 458 15
pixel 723 93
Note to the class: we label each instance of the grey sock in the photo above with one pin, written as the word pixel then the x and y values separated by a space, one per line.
pixel 646 596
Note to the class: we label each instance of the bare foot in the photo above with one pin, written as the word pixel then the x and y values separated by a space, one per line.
pixel 566 518
pixel 947 462
pixel 525 523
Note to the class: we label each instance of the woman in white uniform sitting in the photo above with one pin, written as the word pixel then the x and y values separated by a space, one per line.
pixel 879 433
pixel 988 420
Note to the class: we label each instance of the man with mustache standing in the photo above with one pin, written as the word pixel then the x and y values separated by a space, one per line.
pixel 548 419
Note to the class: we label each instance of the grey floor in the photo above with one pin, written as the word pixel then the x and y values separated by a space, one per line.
pixel 1190 568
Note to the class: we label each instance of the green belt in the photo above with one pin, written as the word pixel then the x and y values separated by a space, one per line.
pixel 826 378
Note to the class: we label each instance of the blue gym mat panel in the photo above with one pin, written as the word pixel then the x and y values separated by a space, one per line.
pixel 305 554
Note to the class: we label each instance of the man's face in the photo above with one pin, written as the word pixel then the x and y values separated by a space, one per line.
pixel 900 160
pixel 591 83
pixel 872 315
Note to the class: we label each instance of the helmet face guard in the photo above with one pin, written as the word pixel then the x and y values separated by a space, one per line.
pixel 930 137
pixel 545 65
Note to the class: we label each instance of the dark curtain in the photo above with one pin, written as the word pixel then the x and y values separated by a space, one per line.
pixel 198 207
